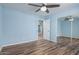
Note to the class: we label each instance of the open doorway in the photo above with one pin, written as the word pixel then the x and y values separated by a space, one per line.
pixel 44 29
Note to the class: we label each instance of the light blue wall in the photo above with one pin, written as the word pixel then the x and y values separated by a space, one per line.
pixel 0 22
pixel 59 27
pixel 18 27
pixel 75 28
pixel 53 28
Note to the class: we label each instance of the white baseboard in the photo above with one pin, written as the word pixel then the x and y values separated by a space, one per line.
pixel 17 43
pixel 77 37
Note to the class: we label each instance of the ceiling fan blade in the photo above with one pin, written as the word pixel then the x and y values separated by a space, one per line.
pixel 47 11
pixel 37 10
pixel 51 6
pixel 43 4
pixel 34 5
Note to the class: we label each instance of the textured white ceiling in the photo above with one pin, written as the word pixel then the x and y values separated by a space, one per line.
pixel 24 7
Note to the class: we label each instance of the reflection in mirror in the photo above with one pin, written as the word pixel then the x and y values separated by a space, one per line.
pixel 67 31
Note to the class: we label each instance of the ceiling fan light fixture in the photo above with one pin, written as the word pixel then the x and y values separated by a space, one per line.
pixel 43 8
pixel 71 19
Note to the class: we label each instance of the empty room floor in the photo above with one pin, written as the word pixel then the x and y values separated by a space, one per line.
pixel 44 47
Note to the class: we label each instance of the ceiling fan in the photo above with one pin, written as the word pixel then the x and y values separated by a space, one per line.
pixel 67 18
pixel 44 7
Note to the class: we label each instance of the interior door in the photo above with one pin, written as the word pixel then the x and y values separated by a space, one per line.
pixel 40 29
pixel 46 29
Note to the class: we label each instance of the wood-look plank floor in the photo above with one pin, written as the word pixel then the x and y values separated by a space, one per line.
pixel 43 47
